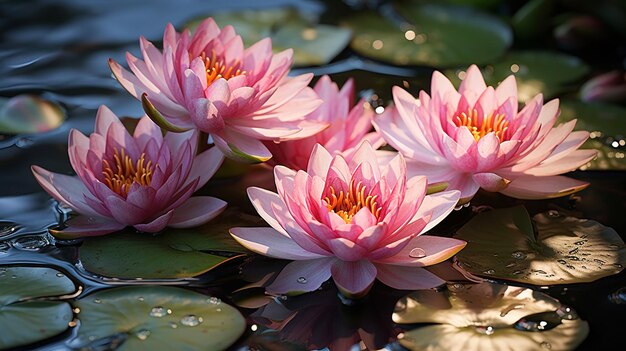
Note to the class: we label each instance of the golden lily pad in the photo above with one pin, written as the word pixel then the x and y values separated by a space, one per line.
pixel 488 316
pixel 434 35
pixel 29 114
pixel 157 318
pixel 174 253
pixel 25 317
pixel 313 44
pixel 550 249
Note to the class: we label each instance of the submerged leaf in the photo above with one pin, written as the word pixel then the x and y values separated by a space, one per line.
pixel 488 316
pixel 313 44
pixel 157 318
pixel 502 244
pixel 435 35
pixel 24 319
pixel 28 114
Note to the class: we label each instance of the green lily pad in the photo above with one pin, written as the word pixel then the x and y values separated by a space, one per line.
pixel 435 35
pixel 174 253
pixel 313 44
pixel 28 114
pixel 158 318
pixel 502 244
pixel 25 319
pixel 607 118
pixel 488 316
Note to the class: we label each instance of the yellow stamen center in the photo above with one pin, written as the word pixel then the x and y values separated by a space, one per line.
pixel 216 69
pixel 492 123
pixel 122 173
pixel 347 204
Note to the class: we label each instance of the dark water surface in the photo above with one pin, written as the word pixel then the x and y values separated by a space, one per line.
pixel 59 50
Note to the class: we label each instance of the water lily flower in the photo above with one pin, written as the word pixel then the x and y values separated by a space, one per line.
pixel 145 180
pixel 608 87
pixel 476 138
pixel 353 220
pixel 348 127
pixel 209 81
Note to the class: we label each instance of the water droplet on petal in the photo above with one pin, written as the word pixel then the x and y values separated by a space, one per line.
pixel 546 345
pixel 566 312
pixel 142 334
pixel 159 312
pixel 417 253
pixel 489 330
pixel 190 320
pixel 301 280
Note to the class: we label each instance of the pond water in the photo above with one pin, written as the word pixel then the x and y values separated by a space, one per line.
pixel 58 50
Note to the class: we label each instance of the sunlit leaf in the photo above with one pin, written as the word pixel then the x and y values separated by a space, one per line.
pixel 27 114
pixel 25 318
pixel 157 318
pixel 502 244
pixel 488 316
pixel 174 253
pixel 313 44
pixel 434 35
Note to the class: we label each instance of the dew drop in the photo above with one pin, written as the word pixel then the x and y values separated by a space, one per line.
pixel 142 334
pixel 518 255
pixel 60 275
pixel 580 243
pixel 213 301
pixel 190 320
pixel 457 287
pixel 562 261
pixel 619 296
pixel 598 261
pixel 97 301
pixel 489 330
pixel 301 280
pixel 572 258
pixel 159 312
pixel 618 265
pixel 546 345
pixel 554 213
pixel 417 252
pixel 173 325
pixel 140 298
pixel 566 312
pixel 490 271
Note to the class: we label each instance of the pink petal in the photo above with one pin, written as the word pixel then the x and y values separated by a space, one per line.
pixel 346 250
pixel 407 278
pixel 66 189
pixel 145 131
pixel 319 162
pixel 262 200
pixel 155 225
pixel 104 118
pixel 440 205
pixel 441 85
pixel 196 210
pixel 241 147
pixel 537 188
pixel 205 165
pixel 473 82
pixel 82 226
pixel 566 164
pixel 206 116
pixel 490 181
pixel 271 243
pixel 353 277
pixel 302 276
pixel 507 89
pixel 125 212
pixel 464 183
pixel 425 250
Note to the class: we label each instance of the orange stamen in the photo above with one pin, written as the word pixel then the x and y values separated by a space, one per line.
pixel 492 123
pixel 347 204
pixel 123 172
pixel 216 69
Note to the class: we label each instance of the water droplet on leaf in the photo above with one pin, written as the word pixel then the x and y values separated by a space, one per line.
pixel 159 312
pixel 190 320
pixel 142 334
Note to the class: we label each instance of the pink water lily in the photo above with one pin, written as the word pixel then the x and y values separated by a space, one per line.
pixel 209 81
pixel 348 126
pixel 352 220
pixel 476 138
pixel 145 180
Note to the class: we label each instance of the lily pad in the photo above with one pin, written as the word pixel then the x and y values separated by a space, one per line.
pixel 503 244
pixel 313 44
pixel 488 316
pixel 435 35
pixel 607 118
pixel 29 114
pixel 174 253
pixel 24 317
pixel 157 318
